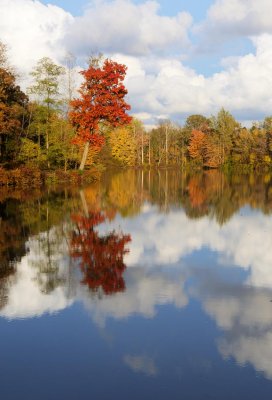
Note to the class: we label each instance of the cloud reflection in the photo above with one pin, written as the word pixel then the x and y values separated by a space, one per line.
pixel 241 308
pixel 159 239
pixel 25 292
pixel 244 313
pixel 145 290
pixel 143 364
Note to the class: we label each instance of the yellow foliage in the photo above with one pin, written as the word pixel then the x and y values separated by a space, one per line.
pixel 123 145
pixel 126 201
pixel 267 178
pixel 92 196
pixel 92 154
pixel 267 159
pixel 252 158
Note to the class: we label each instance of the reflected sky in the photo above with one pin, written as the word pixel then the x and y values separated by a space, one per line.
pixel 178 294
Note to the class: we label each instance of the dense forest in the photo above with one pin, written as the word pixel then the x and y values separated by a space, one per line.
pixel 55 126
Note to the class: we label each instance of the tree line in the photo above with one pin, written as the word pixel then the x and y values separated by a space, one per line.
pixel 64 129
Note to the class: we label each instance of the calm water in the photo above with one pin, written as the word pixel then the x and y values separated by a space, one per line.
pixel 145 285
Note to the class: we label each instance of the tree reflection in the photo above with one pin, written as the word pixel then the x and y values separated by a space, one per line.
pixel 12 240
pixel 100 257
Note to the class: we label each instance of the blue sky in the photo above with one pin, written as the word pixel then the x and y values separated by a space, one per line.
pixel 197 8
pixel 188 56
pixel 206 64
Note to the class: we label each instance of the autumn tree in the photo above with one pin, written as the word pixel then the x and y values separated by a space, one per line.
pixel 101 102
pixel 140 139
pixel 226 128
pixel 212 151
pixel 123 145
pixel 13 110
pixel 243 144
pixel 159 138
pixel 267 126
pixel 197 146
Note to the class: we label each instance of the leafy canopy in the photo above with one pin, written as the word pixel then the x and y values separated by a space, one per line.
pixel 101 101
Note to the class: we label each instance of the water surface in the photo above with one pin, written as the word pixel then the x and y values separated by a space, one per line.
pixel 144 285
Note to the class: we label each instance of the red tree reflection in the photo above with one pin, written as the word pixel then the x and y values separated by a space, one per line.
pixel 100 258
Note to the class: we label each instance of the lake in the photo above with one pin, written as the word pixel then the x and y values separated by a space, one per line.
pixel 147 284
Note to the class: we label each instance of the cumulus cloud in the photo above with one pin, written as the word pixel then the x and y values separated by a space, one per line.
pixel 165 86
pixel 240 17
pixel 32 30
pixel 122 26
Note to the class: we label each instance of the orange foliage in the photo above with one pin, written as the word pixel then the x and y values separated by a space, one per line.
pixel 196 192
pixel 213 154
pixel 197 145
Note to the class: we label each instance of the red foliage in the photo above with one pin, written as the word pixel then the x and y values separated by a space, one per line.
pixel 100 258
pixel 101 101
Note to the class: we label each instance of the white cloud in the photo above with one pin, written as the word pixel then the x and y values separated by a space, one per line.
pixel 32 31
pixel 122 26
pixel 165 86
pixel 240 17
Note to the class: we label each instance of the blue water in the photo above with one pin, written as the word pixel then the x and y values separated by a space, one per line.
pixel 193 320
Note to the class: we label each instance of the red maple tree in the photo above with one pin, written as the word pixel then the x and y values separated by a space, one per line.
pixel 101 100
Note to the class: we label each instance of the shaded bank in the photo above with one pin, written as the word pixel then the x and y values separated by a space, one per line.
pixel 26 177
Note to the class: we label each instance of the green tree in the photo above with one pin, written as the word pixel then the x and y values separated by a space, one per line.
pixel 46 87
pixel 225 127
pixel 197 122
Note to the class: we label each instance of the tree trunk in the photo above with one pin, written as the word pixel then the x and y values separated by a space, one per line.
pixel 149 152
pixel 84 203
pixel 166 145
pixel 142 147
pixel 84 156
pixel 47 135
